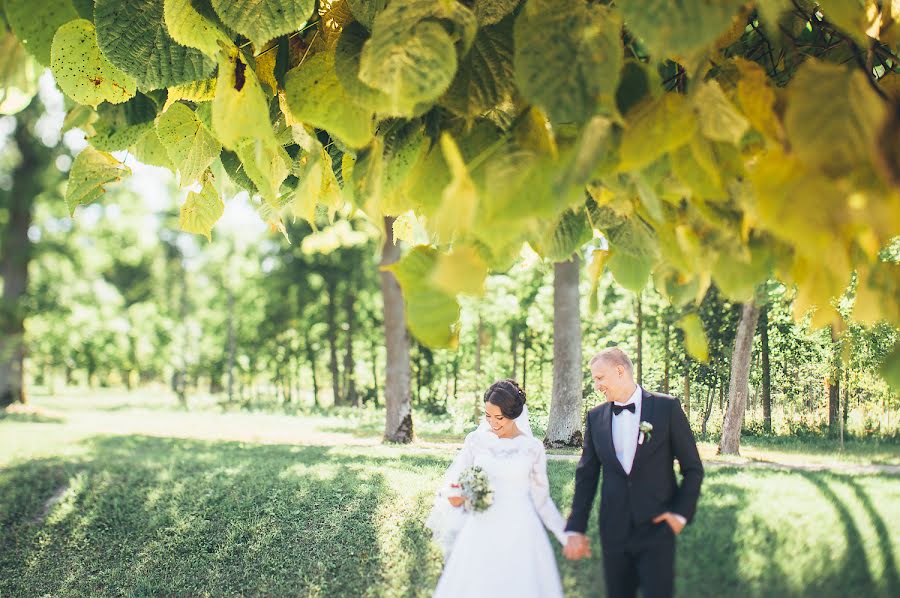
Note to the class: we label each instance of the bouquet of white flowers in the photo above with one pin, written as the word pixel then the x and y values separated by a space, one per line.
pixel 476 489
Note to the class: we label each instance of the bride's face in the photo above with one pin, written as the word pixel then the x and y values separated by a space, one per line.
pixel 501 425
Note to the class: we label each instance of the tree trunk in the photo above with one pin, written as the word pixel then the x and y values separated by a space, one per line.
pixel 687 394
pixel 766 369
pixel 740 375
pixel 639 362
pixel 834 385
pixel 350 395
pixel 15 253
pixel 311 357
pixel 181 376
pixel 667 357
pixel 398 425
pixel 331 321
pixel 232 345
pixel 564 425
pixel 514 348
pixel 375 366
pixel 708 410
pixel 525 358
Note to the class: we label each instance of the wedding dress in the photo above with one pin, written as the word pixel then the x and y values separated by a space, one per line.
pixel 504 550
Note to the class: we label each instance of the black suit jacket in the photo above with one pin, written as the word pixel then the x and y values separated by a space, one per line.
pixel 629 500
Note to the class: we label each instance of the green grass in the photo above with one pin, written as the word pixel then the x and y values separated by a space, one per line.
pixel 223 504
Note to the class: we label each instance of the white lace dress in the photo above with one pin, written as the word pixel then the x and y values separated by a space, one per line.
pixel 504 550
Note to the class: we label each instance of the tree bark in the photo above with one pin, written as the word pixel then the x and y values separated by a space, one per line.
pixel 687 394
pixel 350 395
pixel 766 369
pixel 311 357
pixel 15 253
pixel 331 321
pixel 834 385
pixel 232 345
pixel 564 425
pixel 398 425
pixel 740 375
pixel 667 357
pixel 708 411
pixel 639 362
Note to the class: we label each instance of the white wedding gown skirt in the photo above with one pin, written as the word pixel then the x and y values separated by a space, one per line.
pixel 503 551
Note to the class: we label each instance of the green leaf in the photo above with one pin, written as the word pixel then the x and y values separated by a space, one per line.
pixel 35 23
pixel 195 91
pixel 346 65
pixel 410 65
pixel 431 314
pixel 565 237
pixel 630 271
pixel 696 165
pixel 489 12
pixel 266 163
pixel 148 149
pixel 839 135
pixel 239 109
pixel 694 337
pixel 189 145
pixel 91 171
pixel 568 57
pixel 263 20
pixel 595 153
pixel 459 200
pixel 315 97
pixel 654 129
pixel 19 74
pixel 132 34
pixel 201 211
pixel 365 11
pixel 676 28
pixel 719 119
pixel 82 72
pixel 192 23
pixel 485 76
pixel 460 271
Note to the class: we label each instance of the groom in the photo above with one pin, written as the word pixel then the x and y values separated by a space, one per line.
pixel 634 437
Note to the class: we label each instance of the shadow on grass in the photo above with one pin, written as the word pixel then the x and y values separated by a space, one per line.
pixel 148 516
pixel 31 418
pixel 376 430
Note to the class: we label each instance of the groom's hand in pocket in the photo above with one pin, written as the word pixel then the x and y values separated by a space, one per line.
pixel 676 522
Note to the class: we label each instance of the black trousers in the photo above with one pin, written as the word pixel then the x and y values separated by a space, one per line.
pixel 646 561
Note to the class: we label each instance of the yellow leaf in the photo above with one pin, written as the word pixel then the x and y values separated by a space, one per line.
pixel 461 271
pixel 239 109
pixel 757 99
pixel 719 119
pixel 265 67
pixel 694 337
pixel 459 200
pixel 195 91
pixel 654 129
pixel 201 211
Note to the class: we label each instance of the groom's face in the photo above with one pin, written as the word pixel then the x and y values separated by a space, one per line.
pixel 610 379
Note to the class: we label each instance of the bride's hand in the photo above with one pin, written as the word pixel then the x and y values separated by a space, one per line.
pixel 456 501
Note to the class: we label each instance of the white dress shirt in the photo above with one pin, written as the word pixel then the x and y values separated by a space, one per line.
pixel 625 427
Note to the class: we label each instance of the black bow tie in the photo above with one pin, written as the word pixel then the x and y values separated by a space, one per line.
pixel 617 409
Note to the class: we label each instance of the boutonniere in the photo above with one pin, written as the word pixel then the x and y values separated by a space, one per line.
pixel 646 429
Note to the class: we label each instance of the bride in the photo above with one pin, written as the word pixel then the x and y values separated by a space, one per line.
pixel 504 550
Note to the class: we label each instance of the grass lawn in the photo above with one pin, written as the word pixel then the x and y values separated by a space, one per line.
pixel 173 503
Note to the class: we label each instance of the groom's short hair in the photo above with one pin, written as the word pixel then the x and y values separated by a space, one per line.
pixel 615 356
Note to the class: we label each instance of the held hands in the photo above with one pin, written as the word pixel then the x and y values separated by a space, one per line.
pixel 577 547
pixel 675 522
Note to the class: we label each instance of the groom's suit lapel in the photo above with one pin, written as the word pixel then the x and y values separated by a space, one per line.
pixel 648 412
pixel 609 451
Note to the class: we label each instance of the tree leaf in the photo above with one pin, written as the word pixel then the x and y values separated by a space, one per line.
pixel 630 271
pixel 132 34
pixel 489 12
pixel 263 20
pixel 410 65
pixel 315 97
pixel 189 145
pixel 568 57
pixel 148 149
pixel 82 72
pixel 19 73
pixel 838 135
pixel 566 236
pixel 654 129
pixel 239 109
pixel 757 99
pixel 193 23
pixel 694 337
pixel 119 126
pixel 266 163
pixel 195 91
pixel 459 200
pixel 460 271
pixel 365 11
pixel 718 117
pixel 200 211
pixel 485 76
pixel 676 28
pixel 91 171
pixel 35 23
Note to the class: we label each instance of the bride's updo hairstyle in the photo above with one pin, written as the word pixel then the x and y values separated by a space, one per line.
pixel 508 396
